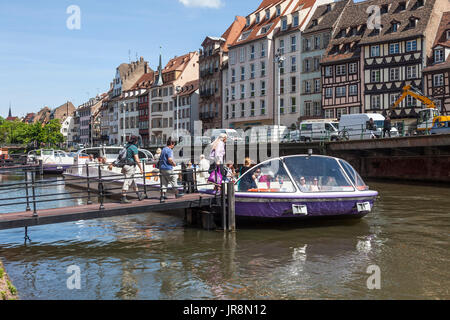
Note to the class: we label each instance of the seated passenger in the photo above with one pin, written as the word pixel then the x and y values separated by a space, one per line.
pixel 329 184
pixel 303 187
pixel 315 186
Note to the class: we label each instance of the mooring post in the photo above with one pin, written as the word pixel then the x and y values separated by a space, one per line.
pixel 231 208
pixel 224 206
pixel 89 201
pixel 101 187
pixel 195 179
pixel 161 187
pixel 145 178
pixel 41 167
pixel 26 190
pixel 33 188
pixel 27 238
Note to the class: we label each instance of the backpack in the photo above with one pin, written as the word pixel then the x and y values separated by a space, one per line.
pixel 122 160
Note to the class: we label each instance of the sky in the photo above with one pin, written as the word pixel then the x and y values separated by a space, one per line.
pixel 47 58
pixel 43 62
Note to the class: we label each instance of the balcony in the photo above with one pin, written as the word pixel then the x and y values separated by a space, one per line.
pixel 207 115
pixel 206 93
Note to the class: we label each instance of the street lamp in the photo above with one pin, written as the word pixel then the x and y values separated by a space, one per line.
pixel 279 60
pixel 178 89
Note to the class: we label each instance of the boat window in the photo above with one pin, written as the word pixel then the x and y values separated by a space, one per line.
pixel 354 176
pixel 318 174
pixel 266 177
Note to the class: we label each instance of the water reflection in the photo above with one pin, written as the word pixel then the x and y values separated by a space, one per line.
pixel 152 256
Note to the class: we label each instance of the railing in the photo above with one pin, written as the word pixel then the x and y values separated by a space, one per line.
pixel 94 174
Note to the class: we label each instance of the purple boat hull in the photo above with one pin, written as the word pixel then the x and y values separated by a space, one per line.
pixel 282 208
pixel 273 206
pixel 55 168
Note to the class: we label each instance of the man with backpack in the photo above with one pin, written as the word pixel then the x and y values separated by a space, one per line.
pixel 128 159
pixel 166 165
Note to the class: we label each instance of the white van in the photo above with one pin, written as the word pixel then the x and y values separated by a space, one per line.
pixel 355 126
pixel 326 129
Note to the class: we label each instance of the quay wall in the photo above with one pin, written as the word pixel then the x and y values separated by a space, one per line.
pixel 7 290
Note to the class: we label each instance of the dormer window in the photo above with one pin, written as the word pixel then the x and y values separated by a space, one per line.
pixel 341 34
pixel 295 23
pixel 401 6
pixel 438 55
pixel 278 11
pixel 314 23
pixel 257 18
pixel 248 22
pixel 384 9
pixel 395 26
pixel 267 14
pixel 245 35
pixel 265 29
pixel 328 8
pixel 412 22
pixel 284 24
pixel 448 34
pixel 419 3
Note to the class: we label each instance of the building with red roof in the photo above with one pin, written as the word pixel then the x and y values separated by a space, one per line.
pixel 250 97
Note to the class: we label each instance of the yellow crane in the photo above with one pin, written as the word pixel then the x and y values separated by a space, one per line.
pixel 428 116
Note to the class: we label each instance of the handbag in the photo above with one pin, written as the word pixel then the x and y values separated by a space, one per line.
pixel 215 176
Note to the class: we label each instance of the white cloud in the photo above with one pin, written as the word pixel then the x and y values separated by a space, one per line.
pixel 202 3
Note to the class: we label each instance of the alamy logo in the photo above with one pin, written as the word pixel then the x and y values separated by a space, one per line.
pixel 74 281
pixel 374 281
pixel 374 21
pixel 74 20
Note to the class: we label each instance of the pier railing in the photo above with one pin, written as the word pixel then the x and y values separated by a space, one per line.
pixel 107 185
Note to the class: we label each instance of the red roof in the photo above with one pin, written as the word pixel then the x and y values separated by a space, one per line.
pixel 272 21
pixel 441 35
pixel 233 32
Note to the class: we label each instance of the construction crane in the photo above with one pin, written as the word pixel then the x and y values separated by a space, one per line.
pixel 427 116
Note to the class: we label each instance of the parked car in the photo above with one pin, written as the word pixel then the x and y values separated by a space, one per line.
pixel 356 126
pixel 319 130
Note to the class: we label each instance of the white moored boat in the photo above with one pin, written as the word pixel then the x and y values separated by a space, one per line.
pixel 53 161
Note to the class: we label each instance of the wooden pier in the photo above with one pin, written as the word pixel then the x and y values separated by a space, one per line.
pixel 90 212
pixel 202 210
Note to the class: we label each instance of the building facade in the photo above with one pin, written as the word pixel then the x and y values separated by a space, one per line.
pixel 437 73
pixel 367 64
pixel 127 74
pixel 251 84
pixel 175 75
pixel 187 107
pixel 396 54
pixel 86 113
pixel 314 41
pixel 213 55
pixel 289 43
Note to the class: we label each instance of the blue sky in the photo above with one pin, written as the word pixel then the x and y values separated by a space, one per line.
pixel 42 62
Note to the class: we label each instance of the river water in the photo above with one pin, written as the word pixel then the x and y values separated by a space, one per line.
pixel 152 256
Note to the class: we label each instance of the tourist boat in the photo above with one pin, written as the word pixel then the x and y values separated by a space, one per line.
pixel 53 161
pixel 303 186
pixel 77 174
